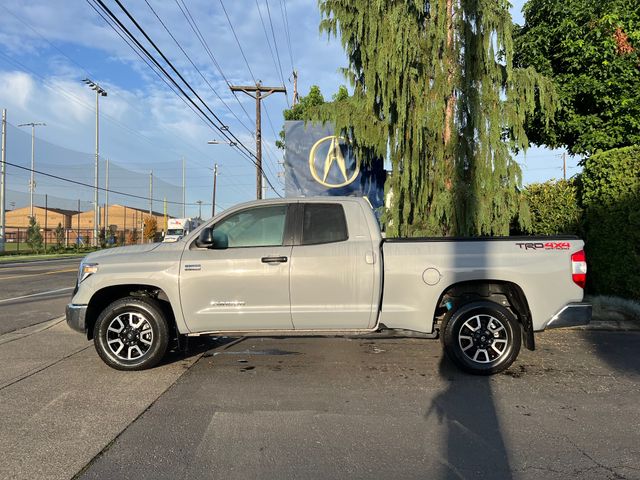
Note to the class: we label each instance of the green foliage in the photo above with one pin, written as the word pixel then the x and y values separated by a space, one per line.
pixel 590 50
pixel 34 236
pixel 554 208
pixel 302 110
pixel 435 87
pixel 59 237
pixel 611 199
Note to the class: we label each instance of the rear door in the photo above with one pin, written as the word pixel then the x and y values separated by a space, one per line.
pixel 333 271
pixel 244 286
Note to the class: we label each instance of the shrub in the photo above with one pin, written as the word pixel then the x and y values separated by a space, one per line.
pixel 150 228
pixel 34 236
pixel 611 199
pixel 554 208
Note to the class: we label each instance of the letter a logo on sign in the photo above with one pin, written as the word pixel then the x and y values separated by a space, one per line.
pixel 334 157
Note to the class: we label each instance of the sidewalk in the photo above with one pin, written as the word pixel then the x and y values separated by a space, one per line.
pixel 60 405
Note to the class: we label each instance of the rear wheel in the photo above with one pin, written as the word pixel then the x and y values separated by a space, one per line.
pixel 131 334
pixel 481 337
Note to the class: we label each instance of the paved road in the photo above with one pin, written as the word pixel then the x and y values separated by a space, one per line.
pixel 338 408
pixel 34 292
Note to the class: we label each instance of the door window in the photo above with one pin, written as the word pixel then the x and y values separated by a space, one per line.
pixel 323 223
pixel 255 227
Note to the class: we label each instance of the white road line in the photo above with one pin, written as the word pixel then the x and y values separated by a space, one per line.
pixel 37 294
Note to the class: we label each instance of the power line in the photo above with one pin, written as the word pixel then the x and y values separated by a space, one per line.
pixel 217 123
pixel 275 46
pixel 285 16
pixel 194 27
pixel 195 66
pixel 89 74
pixel 238 42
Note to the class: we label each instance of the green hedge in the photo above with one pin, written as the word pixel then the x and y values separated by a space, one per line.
pixel 610 195
pixel 554 208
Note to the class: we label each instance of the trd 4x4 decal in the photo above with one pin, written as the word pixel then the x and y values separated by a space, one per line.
pixel 544 245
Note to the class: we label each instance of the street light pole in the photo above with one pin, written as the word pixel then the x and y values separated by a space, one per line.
pixel 32 183
pixel 100 92
pixel 199 202
pixel 213 199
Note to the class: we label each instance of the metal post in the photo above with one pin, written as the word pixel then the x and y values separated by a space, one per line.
pixel 78 232
pixel 46 218
pixel 564 164
pixel 258 148
pixel 96 215
pixel 32 180
pixel 106 200
pixel 213 198
pixel 3 180
pixel 124 226
pixel 150 192
pixel 184 190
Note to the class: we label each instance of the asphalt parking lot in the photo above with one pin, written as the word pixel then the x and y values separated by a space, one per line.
pixel 310 407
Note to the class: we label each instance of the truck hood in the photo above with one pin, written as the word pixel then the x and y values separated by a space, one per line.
pixel 129 250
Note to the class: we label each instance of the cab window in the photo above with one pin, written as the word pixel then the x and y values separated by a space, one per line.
pixel 255 227
pixel 323 223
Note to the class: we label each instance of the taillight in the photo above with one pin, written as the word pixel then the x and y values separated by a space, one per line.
pixel 579 268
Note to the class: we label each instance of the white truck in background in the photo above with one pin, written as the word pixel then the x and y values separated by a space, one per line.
pixel 179 227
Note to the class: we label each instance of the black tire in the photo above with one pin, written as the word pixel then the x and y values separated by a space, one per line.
pixel 131 348
pixel 489 349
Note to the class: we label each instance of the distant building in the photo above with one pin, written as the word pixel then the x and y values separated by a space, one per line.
pixel 121 217
pixel 50 217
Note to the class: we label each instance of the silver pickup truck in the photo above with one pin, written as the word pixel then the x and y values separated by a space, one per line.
pixel 321 266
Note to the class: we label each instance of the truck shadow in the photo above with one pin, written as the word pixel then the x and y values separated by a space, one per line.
pixel 618 349
pixel 474 446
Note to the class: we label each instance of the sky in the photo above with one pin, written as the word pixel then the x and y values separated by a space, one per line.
pixel 48 46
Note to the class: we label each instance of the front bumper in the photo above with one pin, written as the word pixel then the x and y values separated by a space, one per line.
pixel 571 315
pixel 76 316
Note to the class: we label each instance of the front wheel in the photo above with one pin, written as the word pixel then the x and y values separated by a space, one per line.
pixel 131 334
pixel 481 337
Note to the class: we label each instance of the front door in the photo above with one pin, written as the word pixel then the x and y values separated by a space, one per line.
pixel 243 285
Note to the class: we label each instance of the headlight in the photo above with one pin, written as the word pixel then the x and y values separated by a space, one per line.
pixel 85 270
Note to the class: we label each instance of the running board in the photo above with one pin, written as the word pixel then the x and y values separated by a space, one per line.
pixel 359 333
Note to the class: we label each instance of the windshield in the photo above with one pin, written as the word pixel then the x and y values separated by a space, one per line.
pixel 175 231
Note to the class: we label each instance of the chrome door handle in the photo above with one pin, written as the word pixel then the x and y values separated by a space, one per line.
pixel 273 260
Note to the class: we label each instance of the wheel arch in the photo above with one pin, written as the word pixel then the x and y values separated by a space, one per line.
pixel 105 296
pixel 505 293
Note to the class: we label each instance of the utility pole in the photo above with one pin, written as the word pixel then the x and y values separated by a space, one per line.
pixel 151 192
pixel 106 200
pixel 564 164
pixel 100 92
pixel 199 202
pixel 258 92
pixel 184 190
pixel 3 168
pixel 213 197
pixel 264 188
pixel 295 87
pixel 32 182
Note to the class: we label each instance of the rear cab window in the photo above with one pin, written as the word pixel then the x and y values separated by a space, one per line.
pixel 323 223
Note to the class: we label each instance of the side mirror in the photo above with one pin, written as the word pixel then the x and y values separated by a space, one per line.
pixel 210 238
pixel 205 239
pixel 220 240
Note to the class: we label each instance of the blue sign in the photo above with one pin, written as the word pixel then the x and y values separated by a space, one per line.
pixel 317 162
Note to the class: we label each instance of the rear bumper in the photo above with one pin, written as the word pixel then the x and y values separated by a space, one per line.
pixel 571 315
pixel 76 316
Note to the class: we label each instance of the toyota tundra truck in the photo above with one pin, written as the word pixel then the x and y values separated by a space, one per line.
pixel 313 266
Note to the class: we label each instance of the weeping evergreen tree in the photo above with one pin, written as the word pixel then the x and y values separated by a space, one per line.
pixel 435 80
